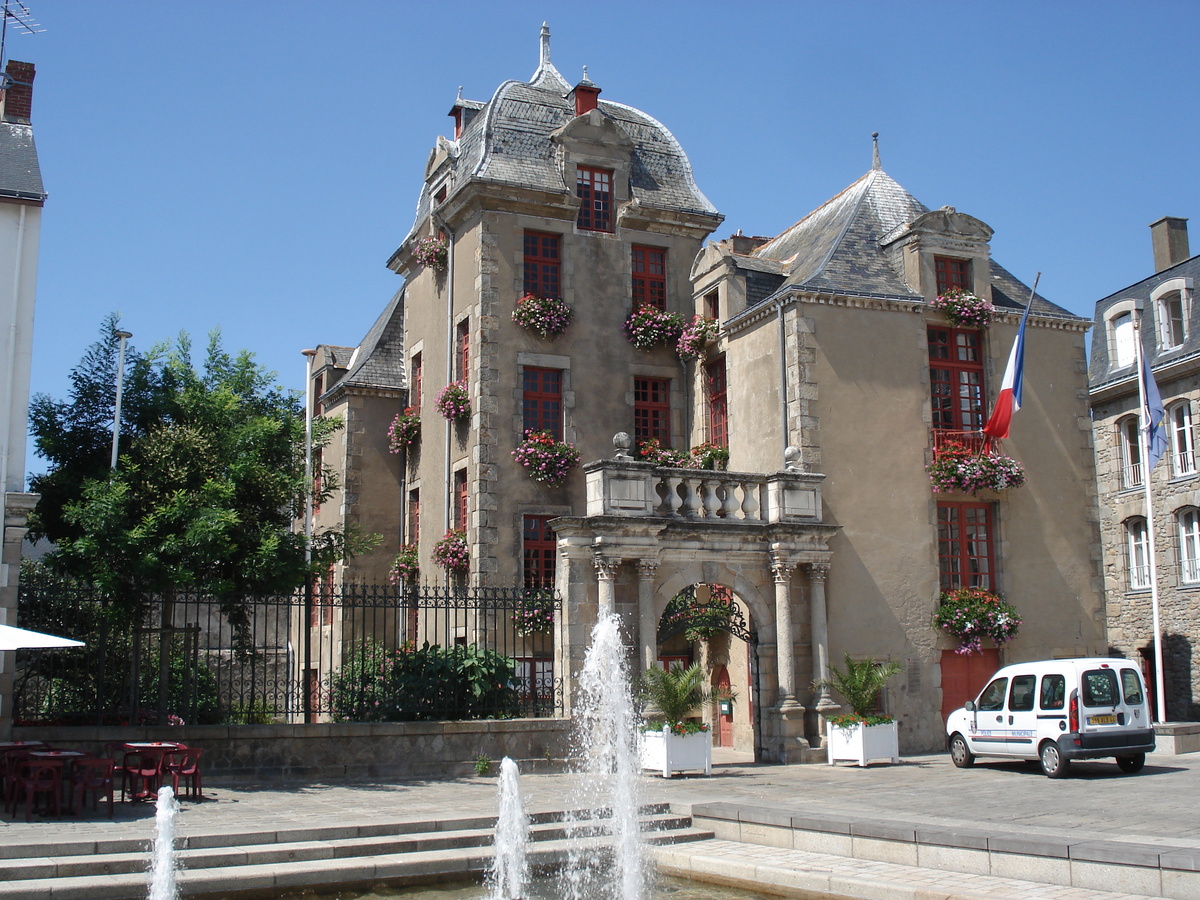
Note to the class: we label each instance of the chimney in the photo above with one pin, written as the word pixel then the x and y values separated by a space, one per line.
pixel 585 94
pixel 16 99
pixel 744 244
pixel 1170 240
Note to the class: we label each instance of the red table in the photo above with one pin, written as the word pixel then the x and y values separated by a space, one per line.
pixel 149 768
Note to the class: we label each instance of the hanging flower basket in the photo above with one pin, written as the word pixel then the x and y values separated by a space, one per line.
pixel 964 309
pixel 696 335
pixel 405 430
pixel 453 402
pixel 957 468
pixel 972 614
pixel 432 253
pixel 451 552
pixel 407 567
pixel 546 459
pixel 534 614
pixel 547 317
pixel 648 327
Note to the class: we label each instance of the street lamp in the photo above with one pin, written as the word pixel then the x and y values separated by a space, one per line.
pixel 124 336
pixel 308 437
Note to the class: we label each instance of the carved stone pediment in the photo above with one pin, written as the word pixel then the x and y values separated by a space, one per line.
pixel 942 227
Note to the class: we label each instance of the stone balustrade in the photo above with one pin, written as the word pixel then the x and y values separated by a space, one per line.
pixel 619 487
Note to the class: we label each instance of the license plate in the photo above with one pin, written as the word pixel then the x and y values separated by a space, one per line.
pixel 1102 720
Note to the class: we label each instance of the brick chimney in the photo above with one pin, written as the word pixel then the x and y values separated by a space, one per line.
pixel 1170 240
pixel 16 99
pixel 585 94
pixel 744 244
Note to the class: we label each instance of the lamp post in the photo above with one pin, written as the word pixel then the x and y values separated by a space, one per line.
pixel 124 336
pixel 308 438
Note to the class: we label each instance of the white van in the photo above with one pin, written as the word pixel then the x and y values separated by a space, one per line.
pixel 1056 711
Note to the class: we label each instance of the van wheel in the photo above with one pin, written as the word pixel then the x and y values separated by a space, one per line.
pixel 1131 765
pixel 960 753
pixel 1052 760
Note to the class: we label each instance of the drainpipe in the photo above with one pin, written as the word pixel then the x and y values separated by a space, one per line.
pixel 783 391
pixel 449 500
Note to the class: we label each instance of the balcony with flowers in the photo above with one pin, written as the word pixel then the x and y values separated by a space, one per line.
pixel 970 461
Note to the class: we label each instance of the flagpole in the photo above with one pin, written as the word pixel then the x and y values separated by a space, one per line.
pixel 1144 448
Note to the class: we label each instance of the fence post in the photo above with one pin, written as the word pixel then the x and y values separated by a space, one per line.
pixel 306 624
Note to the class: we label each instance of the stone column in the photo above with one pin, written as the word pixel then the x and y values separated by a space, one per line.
pixel 818 573
pixel 781 569
pixel 17 507
pixel 647 623
pixel 606 577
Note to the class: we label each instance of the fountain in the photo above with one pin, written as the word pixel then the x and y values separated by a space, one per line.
pixel 509 874
pixel 162 858
pixel 607 736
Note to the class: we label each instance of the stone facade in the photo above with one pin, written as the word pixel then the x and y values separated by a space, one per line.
pixel 1160 312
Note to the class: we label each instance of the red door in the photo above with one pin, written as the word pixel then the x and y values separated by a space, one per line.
pixel 963 676
pixel 720 685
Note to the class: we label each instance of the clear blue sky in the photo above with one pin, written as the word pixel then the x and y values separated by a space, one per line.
pixel 252 166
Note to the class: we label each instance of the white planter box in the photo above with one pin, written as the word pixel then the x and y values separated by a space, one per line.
pixel 862 743
pixel 668 752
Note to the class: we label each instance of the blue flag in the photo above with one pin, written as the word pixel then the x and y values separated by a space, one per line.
pixel 1153 416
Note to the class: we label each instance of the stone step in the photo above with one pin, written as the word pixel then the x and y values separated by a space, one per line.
pixel 38 865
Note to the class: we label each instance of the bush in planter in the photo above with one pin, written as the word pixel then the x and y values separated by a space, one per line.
pixel 544 316
pixel 678 693
pixel 648 327
pixel 958 468
pixel 547 460
pixel 972 614
pixel 453 402
pixel 860 685
pixel 405 430
pixel 964 309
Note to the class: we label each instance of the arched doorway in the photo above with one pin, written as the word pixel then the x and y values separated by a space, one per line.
pixel 706 623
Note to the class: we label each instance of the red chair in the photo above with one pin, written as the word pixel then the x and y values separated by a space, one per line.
pixel 95 776
pixel 185 764
pixel 36 777
pixel 8 769
pixel 142 775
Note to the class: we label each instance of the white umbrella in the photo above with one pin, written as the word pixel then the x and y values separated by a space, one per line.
pixel 19 639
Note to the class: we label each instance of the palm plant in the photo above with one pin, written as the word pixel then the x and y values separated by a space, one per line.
pixel 678 692
pixel 860 685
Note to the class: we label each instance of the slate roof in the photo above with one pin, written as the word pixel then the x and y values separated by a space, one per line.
pixel 508 142
pixel 837 249
pixel 1101 369
pixel 378 361
pixel 20 174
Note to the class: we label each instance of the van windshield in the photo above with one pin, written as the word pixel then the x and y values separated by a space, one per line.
pixel 1100 688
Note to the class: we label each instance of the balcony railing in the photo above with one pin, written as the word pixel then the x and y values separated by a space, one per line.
pixel 618 487
pixel 975 441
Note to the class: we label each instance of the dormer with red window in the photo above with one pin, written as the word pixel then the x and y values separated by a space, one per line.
pixel 940 250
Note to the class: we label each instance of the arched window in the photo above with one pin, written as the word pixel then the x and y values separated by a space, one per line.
pixel 1138 540
pixel 1122 337
pixel 1131 451
pixel 1188 521
pixel 1172 308
pixel 1183 453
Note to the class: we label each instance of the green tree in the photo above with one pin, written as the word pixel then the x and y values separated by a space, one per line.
pixel 209 483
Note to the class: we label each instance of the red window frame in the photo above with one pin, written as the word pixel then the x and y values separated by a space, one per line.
pixel 652 410
pixel 594 187
pixel 538 552
pixel 318 390
pixel 718 402
pixel 414 516
pixel 966 554
pixel 541 400
pixel 712 305
pixel 956 387
pixel 462 350
pixel 418 383
pixel 460 500
pixel 543 264
pixel 649 276
pixel 951 273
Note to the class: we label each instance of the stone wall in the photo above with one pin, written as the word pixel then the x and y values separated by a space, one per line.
pixel 338 752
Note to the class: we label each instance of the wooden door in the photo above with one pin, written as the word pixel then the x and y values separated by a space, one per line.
pixel 724 729
pixel 963 676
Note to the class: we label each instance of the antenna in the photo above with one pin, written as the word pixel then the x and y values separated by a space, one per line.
pixel 18 13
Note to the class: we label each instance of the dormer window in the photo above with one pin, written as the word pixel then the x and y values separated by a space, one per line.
pixel 952 273
pixel 1122 336
pixel 1172 301
pixel 594 189
pixel 439 196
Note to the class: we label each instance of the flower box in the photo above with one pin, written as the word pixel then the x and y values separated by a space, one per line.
pixel 546 317
pixel 668 752
pixel 432 253
pixel 547 460
pixel 861 743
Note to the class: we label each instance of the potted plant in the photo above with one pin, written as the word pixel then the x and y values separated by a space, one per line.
pixel 710 456
pixel 971 614
pixel 453 402
pixel 451 551
pixel 964 309
pixel 653 451
pixel 695 337
pixel 862 734
pixel 675 742
pixel 432 253
pixel 958 468
pixel 648 327
pixel 407 567
pixel 405 430
pixel 534 614
pixel 546 459
pixel 544 316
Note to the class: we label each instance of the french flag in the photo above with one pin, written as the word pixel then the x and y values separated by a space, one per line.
pixel 1009 400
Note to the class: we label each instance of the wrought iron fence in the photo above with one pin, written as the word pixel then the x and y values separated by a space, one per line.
pixel 346 653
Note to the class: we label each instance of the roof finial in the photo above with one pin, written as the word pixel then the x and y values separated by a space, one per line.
pixel 459 98
pixel 545 52
pixel 875 163
pixel 585 78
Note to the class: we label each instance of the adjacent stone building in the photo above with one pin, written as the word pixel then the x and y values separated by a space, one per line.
pixel 830 380
pixel 1157 312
